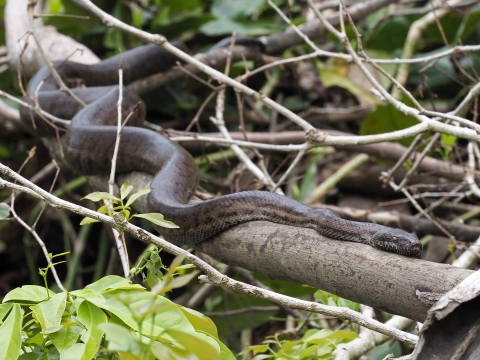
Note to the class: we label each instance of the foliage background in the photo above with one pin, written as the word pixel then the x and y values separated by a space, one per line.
pixel 200 24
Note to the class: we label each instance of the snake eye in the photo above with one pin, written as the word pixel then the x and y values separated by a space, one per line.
pixel 395 238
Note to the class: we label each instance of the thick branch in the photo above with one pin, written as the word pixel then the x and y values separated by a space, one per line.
pixel 357 272
pixel 354 271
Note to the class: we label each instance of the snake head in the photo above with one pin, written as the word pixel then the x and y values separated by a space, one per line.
pixel 396 241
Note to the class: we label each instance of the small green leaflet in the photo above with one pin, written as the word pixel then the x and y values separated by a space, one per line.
pixel 107 283
pixel 157 219
pixel 101 195
pixel 88 220
pixel 142 192
pixel 4 210
pixel 28 294
pixel 125 190
pixel 10 333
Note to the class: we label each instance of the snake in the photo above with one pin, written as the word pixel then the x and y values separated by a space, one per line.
pixel 88 146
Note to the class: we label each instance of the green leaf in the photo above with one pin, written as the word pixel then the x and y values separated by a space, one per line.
pixel 125 190
pixel 107 282
pixel 343 336
pixel 113 38
pixel 132 287
pixel 142 192
pixel 386 119
pixel 335 73
pixel 125 214
pixel 468 26
pixel 203 346
pixel 224 26
pixel 200 321
pixel 255 349
pixel 262 357
pixel 28 294
pixel 10 333
pixel 225 353
pixel 31 356
pixel 313 335
pixel 436 78
pixel 448 140
pixel 88 221
pixel 180 5
pixel 182 280
pixel 308 182
pixel 61 254
pixel 49 313
pixel 157 219
pixel 318 349
pixel 73 352
pixel 102 210
pixel 65 337
pixel 4 210
pixel 52 329
pixel 91 296
pixel 162 319
pixel 382 351
pixel 52 354
pixel 4 309
pixel 91 317
pixel 348 304
pixel 443 30
pixel 395 30
pixel 101 195
pixel 235 8
pixel 120 339
pixel 166 351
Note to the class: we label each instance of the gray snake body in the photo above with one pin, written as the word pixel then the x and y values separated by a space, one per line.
pixel 89 142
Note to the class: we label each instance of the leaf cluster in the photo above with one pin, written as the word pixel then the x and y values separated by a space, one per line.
pixel 150 268
pixel 110 316
pixel 124 208
pixel 314 344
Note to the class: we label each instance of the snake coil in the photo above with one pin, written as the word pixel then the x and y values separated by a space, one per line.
pixel 89 142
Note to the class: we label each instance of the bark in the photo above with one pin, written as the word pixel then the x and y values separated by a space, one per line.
pixel 452 329
pixel 389 282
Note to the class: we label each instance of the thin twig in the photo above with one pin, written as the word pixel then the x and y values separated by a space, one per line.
pixel 118 236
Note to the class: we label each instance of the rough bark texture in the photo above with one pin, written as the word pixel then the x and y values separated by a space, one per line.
pixel 357 272
pixel 452 329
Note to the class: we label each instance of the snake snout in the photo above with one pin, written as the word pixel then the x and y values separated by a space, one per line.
pixel 397 241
